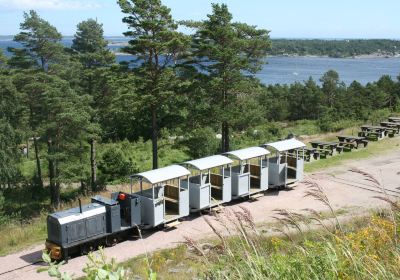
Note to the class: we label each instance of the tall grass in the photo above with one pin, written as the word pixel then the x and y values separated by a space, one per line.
pixel 15 236
pixel 334 251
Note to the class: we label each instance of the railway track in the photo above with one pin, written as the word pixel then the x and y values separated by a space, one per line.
pixel 365 186
pixel 20 267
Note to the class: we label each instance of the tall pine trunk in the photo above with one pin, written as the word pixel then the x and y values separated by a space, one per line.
pixel 93 164
pixel 84 187
pixel 225 137
pixel 154 137
pixel 52 175
pixel 38 166
pixel 57 186
pixel 225 126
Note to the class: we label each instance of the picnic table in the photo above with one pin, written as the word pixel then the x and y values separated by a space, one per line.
pixel 377 132
pixel 388 131
pixel 394 119
pixel 392 125
pixel 348 141
pixel 311 154
pixel 325 148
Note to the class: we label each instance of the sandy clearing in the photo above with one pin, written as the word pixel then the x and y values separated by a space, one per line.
pixel 344 189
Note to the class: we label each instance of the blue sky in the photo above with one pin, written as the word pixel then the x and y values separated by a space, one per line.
pixel 285 18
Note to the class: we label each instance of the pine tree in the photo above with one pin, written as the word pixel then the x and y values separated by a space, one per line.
pixel 41 41
pixel 92 52
pixel 228 53
pixel 3 60
pixel 157 45
pixel 10 135
pixel 41 47
pixel 67 116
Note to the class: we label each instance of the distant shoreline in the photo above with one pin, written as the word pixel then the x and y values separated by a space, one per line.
pixel 116 44
pixel 363 56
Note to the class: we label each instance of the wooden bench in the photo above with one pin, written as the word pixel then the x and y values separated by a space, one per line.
pixel 350 145
pixel 171 199
pixel 310 153
pixel 216 187
pixel 339 149
pixel 369 135
pixel 216 179
pixel 171 193
pixel 325 152
pixel 255 171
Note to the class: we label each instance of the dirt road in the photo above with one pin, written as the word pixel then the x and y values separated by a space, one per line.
pixel 345 189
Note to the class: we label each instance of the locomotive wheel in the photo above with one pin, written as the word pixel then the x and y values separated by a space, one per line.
pixel 86 248
pixel 111 240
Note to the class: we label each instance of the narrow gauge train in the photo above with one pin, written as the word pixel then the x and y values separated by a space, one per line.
pixel 170 193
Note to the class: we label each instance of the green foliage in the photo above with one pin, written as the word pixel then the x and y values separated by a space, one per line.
pixel 202 142
pixel 115 164
pixel 53 268
pixel 138 154
pixel 157 45
pixel 16 236
pixel 3 59
pixel 334 48
pixel 40 40
pixel 97 268
pixel 9 155
pixel 90 45
pixel 10 133
pixel 2 203
pixel 225 51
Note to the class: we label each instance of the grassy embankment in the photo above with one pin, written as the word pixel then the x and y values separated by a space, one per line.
pixel 365 248
pixel 29 228
pixel 308 246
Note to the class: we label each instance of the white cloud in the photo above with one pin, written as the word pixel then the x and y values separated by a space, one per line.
pixel 48 4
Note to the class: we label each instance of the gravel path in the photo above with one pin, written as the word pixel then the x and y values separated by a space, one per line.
pixel 345 189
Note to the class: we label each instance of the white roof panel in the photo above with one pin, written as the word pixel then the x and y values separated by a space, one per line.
pixel 286 145
pixel 74 214
pixel 209 162
pixel 163 174
pixel 248 153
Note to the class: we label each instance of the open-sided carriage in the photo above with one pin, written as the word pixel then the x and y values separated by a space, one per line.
pixel 164 195
pixel 210 182
pixel 286 166
pixel 249 171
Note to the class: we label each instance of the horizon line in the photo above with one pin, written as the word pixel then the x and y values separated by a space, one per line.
pixel 274 37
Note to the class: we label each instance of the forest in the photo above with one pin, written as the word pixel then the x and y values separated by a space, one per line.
pixel 73 121
pixel 335 48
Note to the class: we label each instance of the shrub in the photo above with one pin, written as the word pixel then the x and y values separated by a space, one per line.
pixel 98 267
pixel 375 117
pixel 114 165
pixel 202 142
